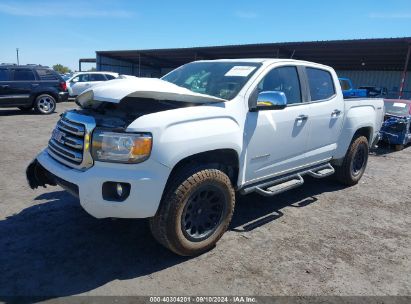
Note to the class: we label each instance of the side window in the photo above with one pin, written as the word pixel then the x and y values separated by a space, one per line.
pixel 97 77
pixel 4 75
pixel 284 79
pixel 45 74
pixel 23 74
pixel 83 78
pixel 109 77
pixel 321 84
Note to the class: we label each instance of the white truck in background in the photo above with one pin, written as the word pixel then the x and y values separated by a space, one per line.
pixel 176 149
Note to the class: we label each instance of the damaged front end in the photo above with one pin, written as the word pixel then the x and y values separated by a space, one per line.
pixel 38 176
pixel 395 130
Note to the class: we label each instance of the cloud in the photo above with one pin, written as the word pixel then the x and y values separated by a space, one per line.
pixel 59 10
pixel 390 15
pixel 245 15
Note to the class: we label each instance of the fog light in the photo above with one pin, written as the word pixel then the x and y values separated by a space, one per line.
pixel 115 191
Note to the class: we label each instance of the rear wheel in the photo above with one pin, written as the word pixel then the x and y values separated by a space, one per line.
pixel 45 104
pixel 354 163
pixel 195 212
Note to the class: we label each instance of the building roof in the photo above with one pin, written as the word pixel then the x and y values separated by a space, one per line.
pixel 358 54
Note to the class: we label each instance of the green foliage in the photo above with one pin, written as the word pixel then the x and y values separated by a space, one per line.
pixel 61 69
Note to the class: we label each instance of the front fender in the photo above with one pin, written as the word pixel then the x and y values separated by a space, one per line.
pixel 183 139
pixel 184 132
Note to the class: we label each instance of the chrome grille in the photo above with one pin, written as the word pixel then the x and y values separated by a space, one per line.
pixel 71 140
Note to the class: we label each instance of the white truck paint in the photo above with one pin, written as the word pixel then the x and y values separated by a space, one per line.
pixel 265 144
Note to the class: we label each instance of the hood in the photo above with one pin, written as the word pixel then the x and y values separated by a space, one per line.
pixel 115 90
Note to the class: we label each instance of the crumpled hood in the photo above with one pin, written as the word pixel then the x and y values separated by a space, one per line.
pixel 115 90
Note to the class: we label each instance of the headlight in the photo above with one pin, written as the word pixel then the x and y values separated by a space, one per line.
pixel 120 147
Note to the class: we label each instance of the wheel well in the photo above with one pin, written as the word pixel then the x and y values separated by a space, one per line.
pixel 366 131
pixel 35 95
pixel 225 160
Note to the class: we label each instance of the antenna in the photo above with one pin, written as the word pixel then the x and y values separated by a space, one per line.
pixel 17 51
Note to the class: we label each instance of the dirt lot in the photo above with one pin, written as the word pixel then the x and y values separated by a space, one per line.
pixel 320 239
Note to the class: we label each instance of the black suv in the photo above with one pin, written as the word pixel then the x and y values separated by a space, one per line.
pixel 31 86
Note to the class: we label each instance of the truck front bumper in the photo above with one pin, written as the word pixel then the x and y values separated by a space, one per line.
pixel 147 181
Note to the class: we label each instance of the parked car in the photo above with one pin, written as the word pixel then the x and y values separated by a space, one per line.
pixel 176 149
pixel 396 129
pixel 31 86
pixel 375 92
pixel 83 80
pixel 348 89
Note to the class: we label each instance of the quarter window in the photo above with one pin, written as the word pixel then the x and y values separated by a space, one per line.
pixel 23 74
pixel 4 75
pixel 45 74
pixel 109 77
pixel 321 84
pixel 283 79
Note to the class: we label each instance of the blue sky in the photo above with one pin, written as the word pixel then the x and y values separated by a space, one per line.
pixel 49 32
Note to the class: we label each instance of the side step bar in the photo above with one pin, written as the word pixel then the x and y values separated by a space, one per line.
pixel 322 172
pixel 287 182
pixel 281 187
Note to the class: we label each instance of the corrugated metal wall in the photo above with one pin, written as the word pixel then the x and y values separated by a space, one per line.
pixel 124 67
pixel 389 79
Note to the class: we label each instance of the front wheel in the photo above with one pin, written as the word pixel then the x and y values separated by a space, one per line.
pixel 45 104
pixel 194 212
pixel 354 163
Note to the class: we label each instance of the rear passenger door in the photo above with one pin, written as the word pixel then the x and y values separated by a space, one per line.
pixel 21 86
pixel 5 95
pixel 325 114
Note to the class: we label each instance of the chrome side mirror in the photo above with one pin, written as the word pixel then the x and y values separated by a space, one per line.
pixel 271 100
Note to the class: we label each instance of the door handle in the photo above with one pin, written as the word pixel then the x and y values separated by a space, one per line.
pixel 35 84
pixel 335 113
pixel 302 117
pixel 5 86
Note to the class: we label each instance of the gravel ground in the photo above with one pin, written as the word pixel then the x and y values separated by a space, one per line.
pixel 320 239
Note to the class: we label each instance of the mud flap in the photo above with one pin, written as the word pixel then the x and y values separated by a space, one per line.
pixel 38 176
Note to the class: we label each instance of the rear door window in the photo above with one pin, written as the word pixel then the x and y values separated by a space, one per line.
pixel 45 74
pixel 23 75
pixel 321 84
pixel 4 75
pixel 97 77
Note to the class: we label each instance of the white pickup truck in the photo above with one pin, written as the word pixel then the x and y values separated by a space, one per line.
pixel 176 149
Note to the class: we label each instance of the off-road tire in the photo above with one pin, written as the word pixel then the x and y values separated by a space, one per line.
pixel 45 104
pixel 345 173
pixel 167 225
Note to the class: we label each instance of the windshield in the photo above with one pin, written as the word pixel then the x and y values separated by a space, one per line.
pixel 218 79
pixel 397 108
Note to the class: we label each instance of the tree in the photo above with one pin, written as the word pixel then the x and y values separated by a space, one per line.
pixel 93 69
pixel 61 69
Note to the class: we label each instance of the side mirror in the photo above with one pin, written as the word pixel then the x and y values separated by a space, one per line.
pixel 271 100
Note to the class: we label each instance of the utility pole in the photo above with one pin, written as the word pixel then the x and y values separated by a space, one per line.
pixel 17 51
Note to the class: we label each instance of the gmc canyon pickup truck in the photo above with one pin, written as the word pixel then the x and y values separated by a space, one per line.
pixel 175 150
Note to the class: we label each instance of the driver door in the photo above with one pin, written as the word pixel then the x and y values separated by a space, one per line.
pixel 276 140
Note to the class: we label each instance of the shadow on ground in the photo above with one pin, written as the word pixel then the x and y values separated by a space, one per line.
pixel 56 249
